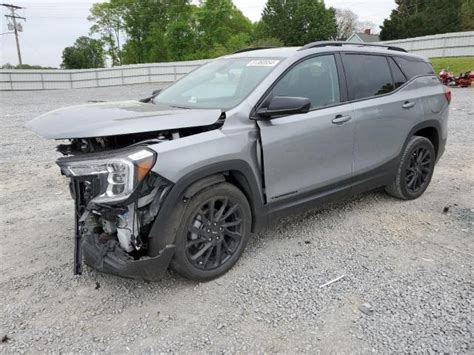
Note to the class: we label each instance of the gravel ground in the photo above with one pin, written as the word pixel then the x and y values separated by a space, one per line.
pixel 408 266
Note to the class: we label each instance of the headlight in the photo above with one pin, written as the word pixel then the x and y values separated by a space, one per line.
pixel 118 175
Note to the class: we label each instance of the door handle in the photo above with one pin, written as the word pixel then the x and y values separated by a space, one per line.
pixel 408 105
pixel 340 119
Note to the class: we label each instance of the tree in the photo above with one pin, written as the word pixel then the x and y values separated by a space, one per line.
pixel 267 42
pixel 347 22
pixel 221 25
pixel 414 18
pixel 23 66
pixel 162 30
pixel 467 15
pixel 109 24
pixel 297 22
pixel 85 53
pixel 181 35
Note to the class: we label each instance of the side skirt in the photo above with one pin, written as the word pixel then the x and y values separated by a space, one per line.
pixel 381 176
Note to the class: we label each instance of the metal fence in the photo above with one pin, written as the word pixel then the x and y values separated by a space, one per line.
pixel 444 45
pixel 85 78
pixel 457 44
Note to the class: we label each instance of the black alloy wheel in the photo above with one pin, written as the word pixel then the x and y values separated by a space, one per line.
pixel 214 234
pixel 415 169
pixel 418 170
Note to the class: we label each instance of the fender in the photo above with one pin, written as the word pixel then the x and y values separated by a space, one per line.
pixel 163 231
pixel 202 184
pixel 426 124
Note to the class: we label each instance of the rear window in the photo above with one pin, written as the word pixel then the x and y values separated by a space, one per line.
pixel 367 75
pixel 412 67
pixel 398 77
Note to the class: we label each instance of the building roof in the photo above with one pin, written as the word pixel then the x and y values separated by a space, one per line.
pixel 364 37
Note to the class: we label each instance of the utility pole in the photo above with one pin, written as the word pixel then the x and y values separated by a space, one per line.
pixel 16 26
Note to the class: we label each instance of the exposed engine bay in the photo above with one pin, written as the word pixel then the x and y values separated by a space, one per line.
pixel 99 144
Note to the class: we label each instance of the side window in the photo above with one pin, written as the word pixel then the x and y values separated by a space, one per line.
pixel 367 75
pixel 413 67
pixel 398 77
pixel 315 79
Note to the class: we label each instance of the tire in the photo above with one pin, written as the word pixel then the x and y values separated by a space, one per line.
pixel 209 244
pixel 415 170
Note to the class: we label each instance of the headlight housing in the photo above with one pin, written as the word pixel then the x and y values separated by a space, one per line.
pixel 119 175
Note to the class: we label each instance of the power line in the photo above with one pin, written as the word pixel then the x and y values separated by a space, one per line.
pixel 17 27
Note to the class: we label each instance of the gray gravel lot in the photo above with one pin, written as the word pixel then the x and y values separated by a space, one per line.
pixel 412 263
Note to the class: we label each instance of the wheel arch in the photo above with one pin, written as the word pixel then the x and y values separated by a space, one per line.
pixel 430 129
pixel 432 134
pixel 236 172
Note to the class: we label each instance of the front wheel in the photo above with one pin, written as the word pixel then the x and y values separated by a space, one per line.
pixel 415 169
pixel 213 233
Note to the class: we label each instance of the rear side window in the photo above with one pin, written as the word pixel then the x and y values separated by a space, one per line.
pixel 398 77
pixel 367 75
pixel 413 67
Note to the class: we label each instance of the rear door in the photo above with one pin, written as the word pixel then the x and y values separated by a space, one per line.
pixel 430 91
pixel 304 152
pixel 383 115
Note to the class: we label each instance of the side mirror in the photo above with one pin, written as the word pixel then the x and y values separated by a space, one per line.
pixel 149 98
pixel 285 105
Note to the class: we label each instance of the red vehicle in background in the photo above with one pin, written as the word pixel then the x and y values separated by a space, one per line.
pixel 464 80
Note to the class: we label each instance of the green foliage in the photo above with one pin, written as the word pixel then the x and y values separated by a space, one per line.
pixel 23 66
pixel 467 15
pixel 220 24
pixel 267 42
pixel 162 30
pixel 456 65
pixel 413 18
pixel 297 22
pixel 181 37
pixel 109 25
pixel 86 53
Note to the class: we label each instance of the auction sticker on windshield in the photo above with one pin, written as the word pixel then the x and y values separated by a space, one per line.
pixel 263 63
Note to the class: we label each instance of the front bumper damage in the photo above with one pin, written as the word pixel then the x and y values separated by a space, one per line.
pixel 109 257
pixel 102 250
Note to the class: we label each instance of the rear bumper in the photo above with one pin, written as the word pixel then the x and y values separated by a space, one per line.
pixel 109 258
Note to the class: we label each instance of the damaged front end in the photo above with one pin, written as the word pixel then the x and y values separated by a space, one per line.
pixel 117 198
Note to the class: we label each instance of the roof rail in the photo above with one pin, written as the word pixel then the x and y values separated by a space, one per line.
pixel 341 43
pixel 251 49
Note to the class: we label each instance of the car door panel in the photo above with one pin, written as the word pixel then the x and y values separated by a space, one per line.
pixel 381 128
pixel 307 151
pixel 383 116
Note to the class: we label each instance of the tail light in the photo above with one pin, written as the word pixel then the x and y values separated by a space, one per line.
pixel 447 94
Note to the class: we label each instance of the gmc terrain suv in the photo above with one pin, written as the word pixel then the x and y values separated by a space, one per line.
pixel 182 178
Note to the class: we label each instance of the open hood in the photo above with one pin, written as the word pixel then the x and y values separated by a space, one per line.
pixel 117 118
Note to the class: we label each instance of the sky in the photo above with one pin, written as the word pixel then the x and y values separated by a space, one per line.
pixel 53 25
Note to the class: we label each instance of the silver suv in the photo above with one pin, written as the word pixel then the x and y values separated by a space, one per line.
pixel 182 178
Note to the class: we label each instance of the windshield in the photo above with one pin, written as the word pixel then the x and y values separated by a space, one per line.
pixel 221 84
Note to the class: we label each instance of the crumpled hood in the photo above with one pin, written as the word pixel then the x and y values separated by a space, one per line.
pixel 116 118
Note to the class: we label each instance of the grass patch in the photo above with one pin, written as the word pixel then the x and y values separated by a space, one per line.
pixel 456 65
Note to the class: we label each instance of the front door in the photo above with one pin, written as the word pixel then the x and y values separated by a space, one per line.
pixel 305 152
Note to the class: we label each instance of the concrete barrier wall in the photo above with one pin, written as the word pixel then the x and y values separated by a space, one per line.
pixel 85 78
pixel 443 45
pixel 457 44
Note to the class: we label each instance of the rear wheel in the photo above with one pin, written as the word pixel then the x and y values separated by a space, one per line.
pixel 213 234
pixel 415 169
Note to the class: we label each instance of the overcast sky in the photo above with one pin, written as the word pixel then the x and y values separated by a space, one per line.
pixel 52 25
